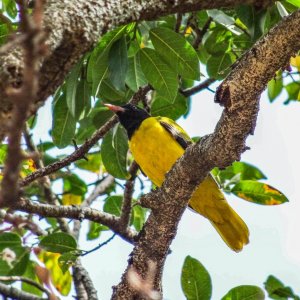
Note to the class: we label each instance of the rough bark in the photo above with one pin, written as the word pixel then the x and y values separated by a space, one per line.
pixel 239 94
pixel 73 29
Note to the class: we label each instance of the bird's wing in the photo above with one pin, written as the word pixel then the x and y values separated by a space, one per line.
pixel 176 131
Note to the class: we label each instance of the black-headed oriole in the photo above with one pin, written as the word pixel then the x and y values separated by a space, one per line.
pixel 156 143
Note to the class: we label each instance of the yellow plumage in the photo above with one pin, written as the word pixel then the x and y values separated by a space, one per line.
pixel 156 150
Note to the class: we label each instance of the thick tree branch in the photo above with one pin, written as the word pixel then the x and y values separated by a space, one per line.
pixel 73 29
pixel 239 94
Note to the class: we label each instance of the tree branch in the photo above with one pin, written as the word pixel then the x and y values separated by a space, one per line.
pixel 26 280
pixel 20 221
pixel 239 94
pixel 197 88
pixel 73 31
pixel 127 199
pixel 9 291
pixel 76 212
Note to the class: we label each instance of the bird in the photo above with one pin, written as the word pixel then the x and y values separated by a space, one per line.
pixel 156 143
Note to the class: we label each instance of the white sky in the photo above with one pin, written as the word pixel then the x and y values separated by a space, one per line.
pixel 274 231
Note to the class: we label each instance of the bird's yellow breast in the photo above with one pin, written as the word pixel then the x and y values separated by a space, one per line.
pixel 154 149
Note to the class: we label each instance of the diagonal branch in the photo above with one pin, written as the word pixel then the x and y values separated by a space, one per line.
pixel 239 94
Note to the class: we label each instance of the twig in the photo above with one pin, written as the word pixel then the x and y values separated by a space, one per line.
pixel 79 213
pixel 128 191
pixel 83 283
pixel 19 221
pixel 99 246
pixel 99 190
pixel 14 293
pixel 200 32
pixel 83 149
pixel 178 22
pixel 33 47
pixel 26 280
pixel 197 88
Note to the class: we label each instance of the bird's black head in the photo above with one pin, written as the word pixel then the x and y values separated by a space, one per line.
pixel 130 116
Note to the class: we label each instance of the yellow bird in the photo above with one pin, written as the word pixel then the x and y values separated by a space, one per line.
pixel 156 143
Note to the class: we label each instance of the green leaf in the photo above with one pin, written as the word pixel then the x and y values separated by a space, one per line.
pixel 177 51
pixel 293 90
pixel 277 290
pixel 20 264
pixel 118 63
pixel 219 66
pixel 72 82
pixel 10 7
pixel 246 14
pixel 13 257
pixel 135 77
pixel 225 20
pixel 74 185
pixel 66 260
pixel 274 88
pixel 63 124
pixel 281 9
pixel 113 205
pixel 9 240
pixel 139 217
pixel 294 2
pixel 100 115
pixel 95 230
pixel 98 61
pixel 258 192
pixel 114 152
pixel 243 292
pixel 58 242
pixel 159 74
pixel 162 107
pixel 195 280
pixel 85 130
pixel 217 42
pixel 108 92
pixel 83 98
pixel 240 171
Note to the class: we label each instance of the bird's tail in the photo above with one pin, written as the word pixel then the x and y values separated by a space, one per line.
pixel 209 201
pixel 233 231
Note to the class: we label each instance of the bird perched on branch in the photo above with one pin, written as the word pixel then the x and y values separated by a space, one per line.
pixel 156 143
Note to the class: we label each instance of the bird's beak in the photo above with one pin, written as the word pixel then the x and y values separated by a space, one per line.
pixel 114 108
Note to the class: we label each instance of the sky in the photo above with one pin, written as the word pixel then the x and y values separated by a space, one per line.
pixel 274 231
